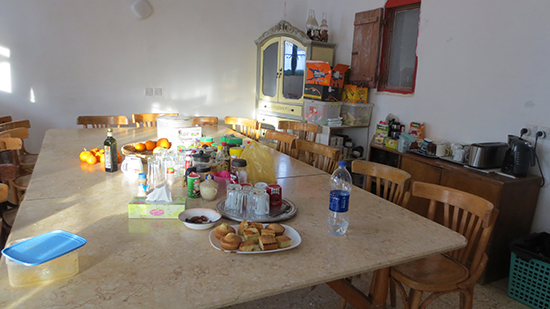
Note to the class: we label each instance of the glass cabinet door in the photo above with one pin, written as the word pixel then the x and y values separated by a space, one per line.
pixel 270 64
pixel 294 64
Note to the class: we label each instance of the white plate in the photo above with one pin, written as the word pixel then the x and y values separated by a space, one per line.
pixel 289 231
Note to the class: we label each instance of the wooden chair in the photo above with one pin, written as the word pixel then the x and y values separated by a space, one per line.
pixel 249 127
pixel 205 121
pixel 4 119
pixel 27 160
pixel 15 124
pixel 148 120
pixel 102 121
pixel 390 182
pixel 10 170
pixel 452 272
pixel 302 130
pixel 3 200
pixel 320 156
pixel 286 143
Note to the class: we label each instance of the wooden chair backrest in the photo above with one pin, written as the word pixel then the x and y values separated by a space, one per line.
pixel 5 119
pixel 21 133
pixel 390 182
pixel 249 127
pixel 286 143
pixel 148 119
pixel 102 121
pixel 10 143
pixel 205 121
pixel 302 130
pixel 464 213
pixel 320 156
pixel 15 124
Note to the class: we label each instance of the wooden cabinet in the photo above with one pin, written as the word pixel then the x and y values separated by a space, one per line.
pixel 280 79
pixel 516 199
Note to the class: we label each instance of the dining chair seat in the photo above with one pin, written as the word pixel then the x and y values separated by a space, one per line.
pixel 425 274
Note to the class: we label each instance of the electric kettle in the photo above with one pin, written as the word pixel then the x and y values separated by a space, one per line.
pixel 519 157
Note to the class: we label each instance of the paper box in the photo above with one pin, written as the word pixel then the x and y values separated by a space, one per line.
pixel 323 93
pixel 355 94
pixel 318 73
pixel 138 208
pixel 339 75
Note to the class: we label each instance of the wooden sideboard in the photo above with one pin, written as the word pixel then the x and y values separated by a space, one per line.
pixel 516 199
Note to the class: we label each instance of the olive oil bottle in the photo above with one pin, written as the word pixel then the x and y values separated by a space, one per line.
pixel 111 158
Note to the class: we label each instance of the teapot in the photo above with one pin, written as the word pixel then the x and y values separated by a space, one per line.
pixel 131 166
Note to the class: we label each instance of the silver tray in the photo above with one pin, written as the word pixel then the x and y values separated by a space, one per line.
pixel 287 211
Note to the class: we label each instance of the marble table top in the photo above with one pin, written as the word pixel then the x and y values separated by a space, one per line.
pixel 160 263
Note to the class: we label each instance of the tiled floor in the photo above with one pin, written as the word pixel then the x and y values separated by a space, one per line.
pixel 492 296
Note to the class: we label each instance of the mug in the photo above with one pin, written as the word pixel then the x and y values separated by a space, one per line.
pixel 458 155
pixel 131 166
pixel 443 150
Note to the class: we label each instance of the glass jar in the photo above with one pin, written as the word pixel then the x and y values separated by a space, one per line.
pixel 238 171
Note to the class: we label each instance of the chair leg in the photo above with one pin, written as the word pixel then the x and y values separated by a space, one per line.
pixel 415 298
pixel 343 302
pixel 467 298
pixel 392 294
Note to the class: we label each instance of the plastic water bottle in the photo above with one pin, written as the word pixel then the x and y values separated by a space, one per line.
pixel 340 189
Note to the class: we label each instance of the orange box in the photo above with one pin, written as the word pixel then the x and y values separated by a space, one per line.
pixel 318 73
pixel 338 75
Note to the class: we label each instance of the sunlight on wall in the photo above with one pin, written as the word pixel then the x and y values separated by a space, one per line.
pixel 5 70
pixel 31 98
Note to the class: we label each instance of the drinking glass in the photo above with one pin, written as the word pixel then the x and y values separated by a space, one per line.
pixel 260 200
pixel 233 201
pixel 155 177
pixel 248 207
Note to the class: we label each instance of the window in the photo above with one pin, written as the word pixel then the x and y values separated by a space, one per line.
pixel 395 28
pixel 400 32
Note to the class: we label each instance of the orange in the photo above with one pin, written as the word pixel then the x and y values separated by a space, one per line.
pixel 163 142
pixel 84 155
pixel 150 145
pixel 157 149
pixel 119 158
pixel 101 157
pixel 140 147
pixel 94 150
pixel 91 160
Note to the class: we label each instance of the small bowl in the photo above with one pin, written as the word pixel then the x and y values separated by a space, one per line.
pixel 211 214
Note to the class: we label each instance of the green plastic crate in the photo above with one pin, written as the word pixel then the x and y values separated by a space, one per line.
pixel 529 281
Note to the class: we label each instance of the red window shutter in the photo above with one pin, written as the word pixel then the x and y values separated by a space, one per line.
pixel 366 47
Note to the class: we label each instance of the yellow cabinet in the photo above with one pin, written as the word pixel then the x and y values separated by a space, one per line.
pixel 282 54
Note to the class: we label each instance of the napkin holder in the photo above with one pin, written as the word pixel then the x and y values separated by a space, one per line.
pixel 158 204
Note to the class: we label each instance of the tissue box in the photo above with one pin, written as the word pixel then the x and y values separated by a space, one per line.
pixel 138 208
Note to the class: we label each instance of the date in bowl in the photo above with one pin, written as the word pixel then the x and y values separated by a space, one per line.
pixel 194 218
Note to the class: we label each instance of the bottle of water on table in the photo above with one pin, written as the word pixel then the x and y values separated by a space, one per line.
pixel 340 189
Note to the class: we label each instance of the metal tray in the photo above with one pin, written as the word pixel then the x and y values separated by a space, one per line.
pixel 287 211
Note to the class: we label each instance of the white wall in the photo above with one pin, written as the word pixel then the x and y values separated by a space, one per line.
pixel 482 65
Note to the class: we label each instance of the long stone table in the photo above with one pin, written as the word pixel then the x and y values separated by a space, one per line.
pixel 160 263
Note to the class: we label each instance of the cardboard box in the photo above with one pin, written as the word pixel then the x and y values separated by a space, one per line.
pixel 355 94
pixel 318 73
pixel 323 93
pixel 339 75
pixel 138 208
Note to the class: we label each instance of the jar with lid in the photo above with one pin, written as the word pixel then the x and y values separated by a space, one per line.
pixel 203 170
pixel 238 171
pixel 209 188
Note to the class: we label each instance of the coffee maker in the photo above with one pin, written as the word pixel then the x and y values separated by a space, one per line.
pixel 519 157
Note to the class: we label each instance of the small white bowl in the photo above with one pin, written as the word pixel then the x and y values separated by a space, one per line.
pixel 211 214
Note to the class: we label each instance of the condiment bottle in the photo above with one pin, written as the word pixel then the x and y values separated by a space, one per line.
pixel 111 158
pixel 142 184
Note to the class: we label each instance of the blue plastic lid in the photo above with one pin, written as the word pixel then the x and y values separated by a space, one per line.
pixel 44 248
pixel 142 175
pixel 342 163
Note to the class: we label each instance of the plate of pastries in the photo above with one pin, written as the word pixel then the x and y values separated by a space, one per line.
pixel 254 237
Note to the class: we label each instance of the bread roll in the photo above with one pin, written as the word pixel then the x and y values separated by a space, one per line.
pixel 279 229
pixel 247 246
pixel 268 242
pixel 222 230
pixel 251 233
pixel 231 241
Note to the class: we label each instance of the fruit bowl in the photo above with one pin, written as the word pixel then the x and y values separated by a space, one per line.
pixel 130 149
pixel 212 215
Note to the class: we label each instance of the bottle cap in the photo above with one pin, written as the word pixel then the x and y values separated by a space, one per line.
pixel 170 170
pixel 142 175
pixel 342 163
pixel 238 162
